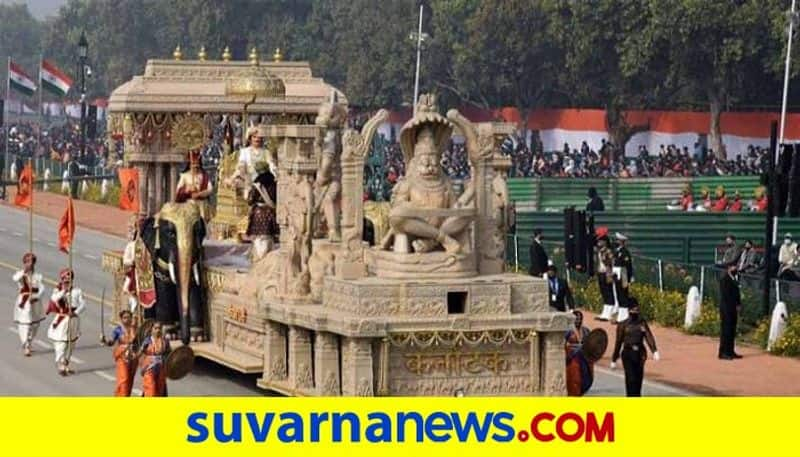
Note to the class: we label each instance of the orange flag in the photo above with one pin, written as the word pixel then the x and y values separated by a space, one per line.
pixel 66 228
pixel 25 188
pixel 129 195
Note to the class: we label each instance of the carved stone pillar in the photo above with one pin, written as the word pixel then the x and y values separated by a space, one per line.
pixel 326 364
pixel 553 364
pixel 357 367
pixel 355 145
pixel 492 233
pixel 275 352
pixel 300 376
pixel 159 177
pixel 173 180
pixel 152 207
pixel 142 169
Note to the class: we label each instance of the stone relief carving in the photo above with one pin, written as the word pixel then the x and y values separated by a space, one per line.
pixel 278 368
pixel 304 378
pixel 330 385
pixel 364 388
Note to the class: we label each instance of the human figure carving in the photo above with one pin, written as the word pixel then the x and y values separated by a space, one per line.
pixel 328 186
pixel 427 187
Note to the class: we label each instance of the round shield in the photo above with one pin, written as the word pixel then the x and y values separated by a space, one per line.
pixel 180 362
pixel 595 345
pixel 143 331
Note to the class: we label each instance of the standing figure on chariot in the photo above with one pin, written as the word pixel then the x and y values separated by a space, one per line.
pixel 28 308
pixel 153 352
pixel 124 336
pixel 262 225
pixel 194 185
pixel 67 304
pixel 256 152
pixel 138 265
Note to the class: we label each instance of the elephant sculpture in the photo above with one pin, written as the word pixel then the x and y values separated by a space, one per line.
pixel 174 237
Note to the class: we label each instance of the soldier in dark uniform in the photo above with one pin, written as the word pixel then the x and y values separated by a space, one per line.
pixel 624 276
pixel 605 274
pixel 538 256
pixel 729 305
pixel 632 334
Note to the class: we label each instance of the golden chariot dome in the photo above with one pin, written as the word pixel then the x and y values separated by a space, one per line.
pixel 255 82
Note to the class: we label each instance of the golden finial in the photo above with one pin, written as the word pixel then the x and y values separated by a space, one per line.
pixel 277 57
pixel 253 56
pixel 202 54
pixel 177 54
pixel 226 54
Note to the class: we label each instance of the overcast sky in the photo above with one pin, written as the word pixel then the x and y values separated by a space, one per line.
pixel 40 8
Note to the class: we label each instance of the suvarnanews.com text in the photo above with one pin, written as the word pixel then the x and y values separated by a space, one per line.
pixel 400 427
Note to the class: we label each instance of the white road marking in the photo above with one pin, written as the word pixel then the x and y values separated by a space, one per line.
pixel 77 360
pixel 42 344
pixel 37 240
pixel 89 256
pixel 12 329
pixel 105 375
pixel 51 244
pixel 134 392
pixel 653 384
pixel 17 233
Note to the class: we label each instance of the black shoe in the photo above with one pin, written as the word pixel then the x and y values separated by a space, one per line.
pixel 737 356
pixel 725 357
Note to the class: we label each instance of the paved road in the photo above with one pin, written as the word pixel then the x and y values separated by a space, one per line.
pixel 94 367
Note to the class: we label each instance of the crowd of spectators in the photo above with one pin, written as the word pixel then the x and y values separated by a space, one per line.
pixel 609 162
pixel 385 162
pixel 58 142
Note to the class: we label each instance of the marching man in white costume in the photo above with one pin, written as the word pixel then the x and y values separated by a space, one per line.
pixel 66 303
pixel 28 308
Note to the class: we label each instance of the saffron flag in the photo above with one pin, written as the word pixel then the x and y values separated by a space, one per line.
pixel 24 196
pixel 19 80
pixel 129 185
pixel 66 228
pixel 53 79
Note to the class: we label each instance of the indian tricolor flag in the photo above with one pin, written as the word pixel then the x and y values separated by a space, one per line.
pixel 18 80
pixel 54 79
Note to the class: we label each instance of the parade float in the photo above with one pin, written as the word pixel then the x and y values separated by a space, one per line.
pixel 428 310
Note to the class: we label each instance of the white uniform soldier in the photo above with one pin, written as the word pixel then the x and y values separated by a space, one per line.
pixel 28 307
pixel 65 328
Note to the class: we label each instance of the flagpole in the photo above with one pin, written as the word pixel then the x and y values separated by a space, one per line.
pixel 30 207
pixel 5 121
pixel 39 88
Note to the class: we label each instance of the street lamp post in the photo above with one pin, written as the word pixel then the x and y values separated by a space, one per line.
pixel 419 37
pixel 83 50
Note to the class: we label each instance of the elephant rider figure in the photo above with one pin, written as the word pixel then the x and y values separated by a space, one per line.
pixel 194 185
pixel 427 187
pixel 262 226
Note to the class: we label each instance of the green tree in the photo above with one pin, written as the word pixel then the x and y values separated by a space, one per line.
pixel 20 38
pixel 712 48
pixel 509 56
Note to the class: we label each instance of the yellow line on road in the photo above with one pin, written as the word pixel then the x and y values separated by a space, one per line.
pixel 50 282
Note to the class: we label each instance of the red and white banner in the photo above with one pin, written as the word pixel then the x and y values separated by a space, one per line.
pixel 681 128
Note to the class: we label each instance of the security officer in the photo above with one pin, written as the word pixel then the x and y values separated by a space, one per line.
pixel 631 337
pixel 624 275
